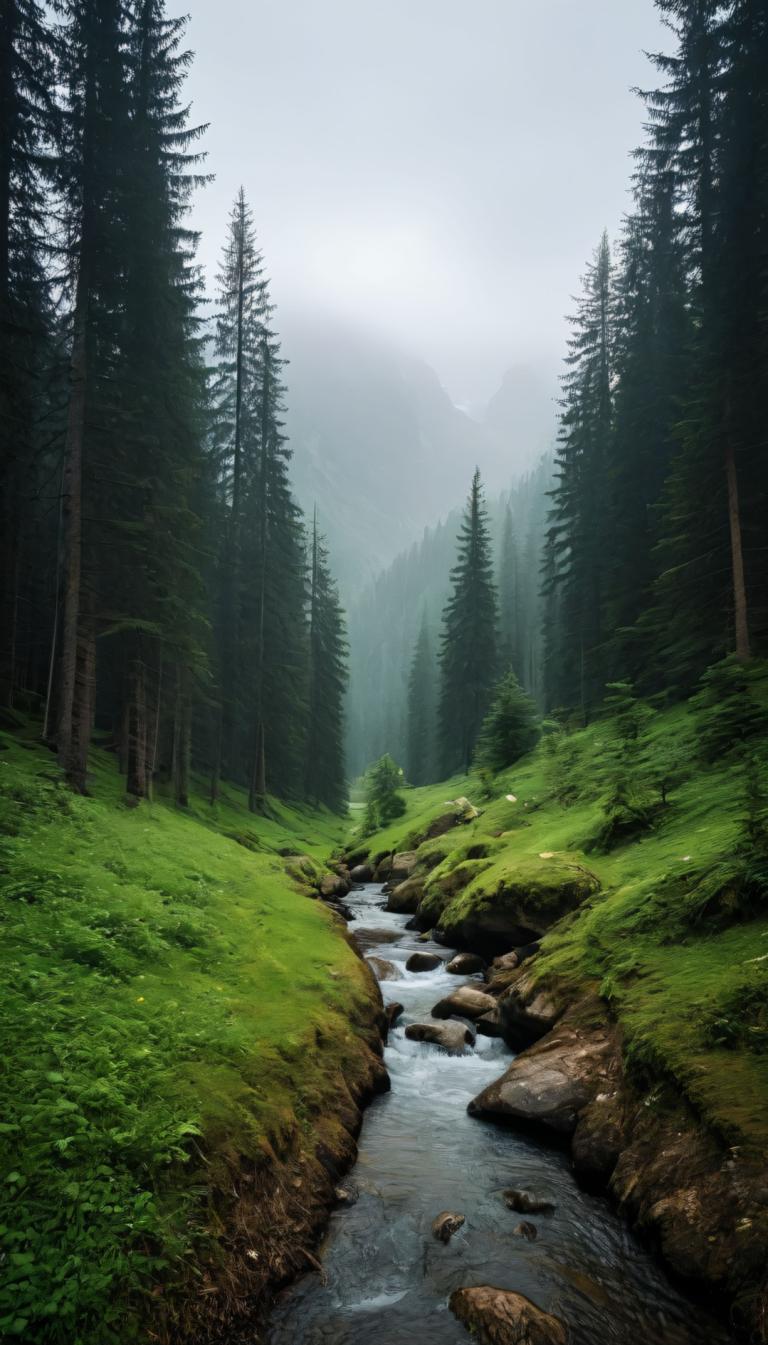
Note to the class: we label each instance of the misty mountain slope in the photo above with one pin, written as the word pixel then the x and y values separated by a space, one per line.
pixel 380 447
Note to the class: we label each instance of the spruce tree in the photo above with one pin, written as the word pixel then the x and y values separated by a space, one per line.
pixel 469 639
pixel 324 774
pixel 510 728
pixel 510 642
pixel 421 710
pixel 579 532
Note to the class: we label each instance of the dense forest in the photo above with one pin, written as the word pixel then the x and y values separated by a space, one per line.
pixel 158 583
pixel 274 847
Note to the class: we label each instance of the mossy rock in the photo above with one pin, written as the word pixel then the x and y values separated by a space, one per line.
pixel 513 903
pixel 443 885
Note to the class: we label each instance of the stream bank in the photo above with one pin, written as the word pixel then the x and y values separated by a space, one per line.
pixel 420 1153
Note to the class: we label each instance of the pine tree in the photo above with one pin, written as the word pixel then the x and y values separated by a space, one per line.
pixel 578 533
pixel 469 639
pixel 324 774
pixel 510 728
pixel 27 122
pixel 510 642
pixel 93 61
pixel 421 710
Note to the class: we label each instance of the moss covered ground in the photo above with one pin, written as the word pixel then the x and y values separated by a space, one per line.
pixel 667 940
pixel 169 997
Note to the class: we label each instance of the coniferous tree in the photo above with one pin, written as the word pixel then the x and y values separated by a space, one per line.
pixel 421 710
pixel 510 643
pixel 578 531
pixel 469 639
pixel 324 775
pixel 28 121
pixel 510 728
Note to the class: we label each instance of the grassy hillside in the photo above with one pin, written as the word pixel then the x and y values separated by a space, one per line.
pixel 672 939
pixel 172 1005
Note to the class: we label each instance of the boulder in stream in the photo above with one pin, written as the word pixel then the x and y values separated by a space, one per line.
pixel 361 873
pixel 447 1223
pixel 526 1230
pixel 382 969
pixel 466 1002
pixel 524 1202
pixel 465 964
pixel 452 1037
pixel 500 1317
pixel 423 962
pixel 405 897
pixel 392 1012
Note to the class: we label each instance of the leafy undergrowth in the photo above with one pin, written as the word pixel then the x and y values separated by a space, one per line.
pixel 669 940
pixel 168 996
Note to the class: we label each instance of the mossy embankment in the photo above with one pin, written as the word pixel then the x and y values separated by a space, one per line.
pixel 187 1038
pixel 654 928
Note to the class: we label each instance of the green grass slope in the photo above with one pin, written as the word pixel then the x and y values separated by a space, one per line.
pixel 169 998
pixel 667 940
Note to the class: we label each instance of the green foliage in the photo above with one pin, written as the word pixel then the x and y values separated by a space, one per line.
pixel 739 1020
pixel 383 802
pixel 729 715
pixel 468 653
pixel 509 730
pixel 420 760
pixel 152 970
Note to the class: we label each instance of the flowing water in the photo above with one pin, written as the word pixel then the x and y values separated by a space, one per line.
pixel 387 1278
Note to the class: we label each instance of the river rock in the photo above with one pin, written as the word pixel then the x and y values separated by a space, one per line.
pixel 403 865
pixel 523 1202
pixel 361 873
pixel 465 964
pixel 526 1230
pixel 382 970
pixel 466 1002
pixel 527 1012
pixel 546 1087
pixel 452 1037
pixel 347 1194
pixel 383 868
pixel 489 1024
pixel 405 897
pixel 333 885
pixel 423 962
pixel 446 1224
pixel 392 1012
pixel 500 1317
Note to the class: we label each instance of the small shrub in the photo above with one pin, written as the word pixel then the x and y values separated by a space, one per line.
pixel 510 729
pixel 729 716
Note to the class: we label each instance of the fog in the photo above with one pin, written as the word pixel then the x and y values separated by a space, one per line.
pixel 436 172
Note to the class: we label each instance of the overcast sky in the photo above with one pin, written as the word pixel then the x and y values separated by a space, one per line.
pixel 438 170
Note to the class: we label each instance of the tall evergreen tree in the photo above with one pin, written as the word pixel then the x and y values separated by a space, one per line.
pixel 468 655
pixel 420 764
pixel 578 521
pixel 324 774
pixel 27 124
pixel 510 642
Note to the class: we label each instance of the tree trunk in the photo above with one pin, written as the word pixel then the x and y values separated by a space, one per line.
pixel 136 781
pixel 258 790
pixel 83 703
pixel 74 767
pixel 741 621
pixel 182 745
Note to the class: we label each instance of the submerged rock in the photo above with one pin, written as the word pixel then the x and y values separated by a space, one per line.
pixel 423 962
pixel 382 969
pixel 347 1194
pixel 500 1317
pixel 446 1224
pixel 465 964
pixel 452 1037
pixel 526 1230
pixel 466 1002
pixel 523 1202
